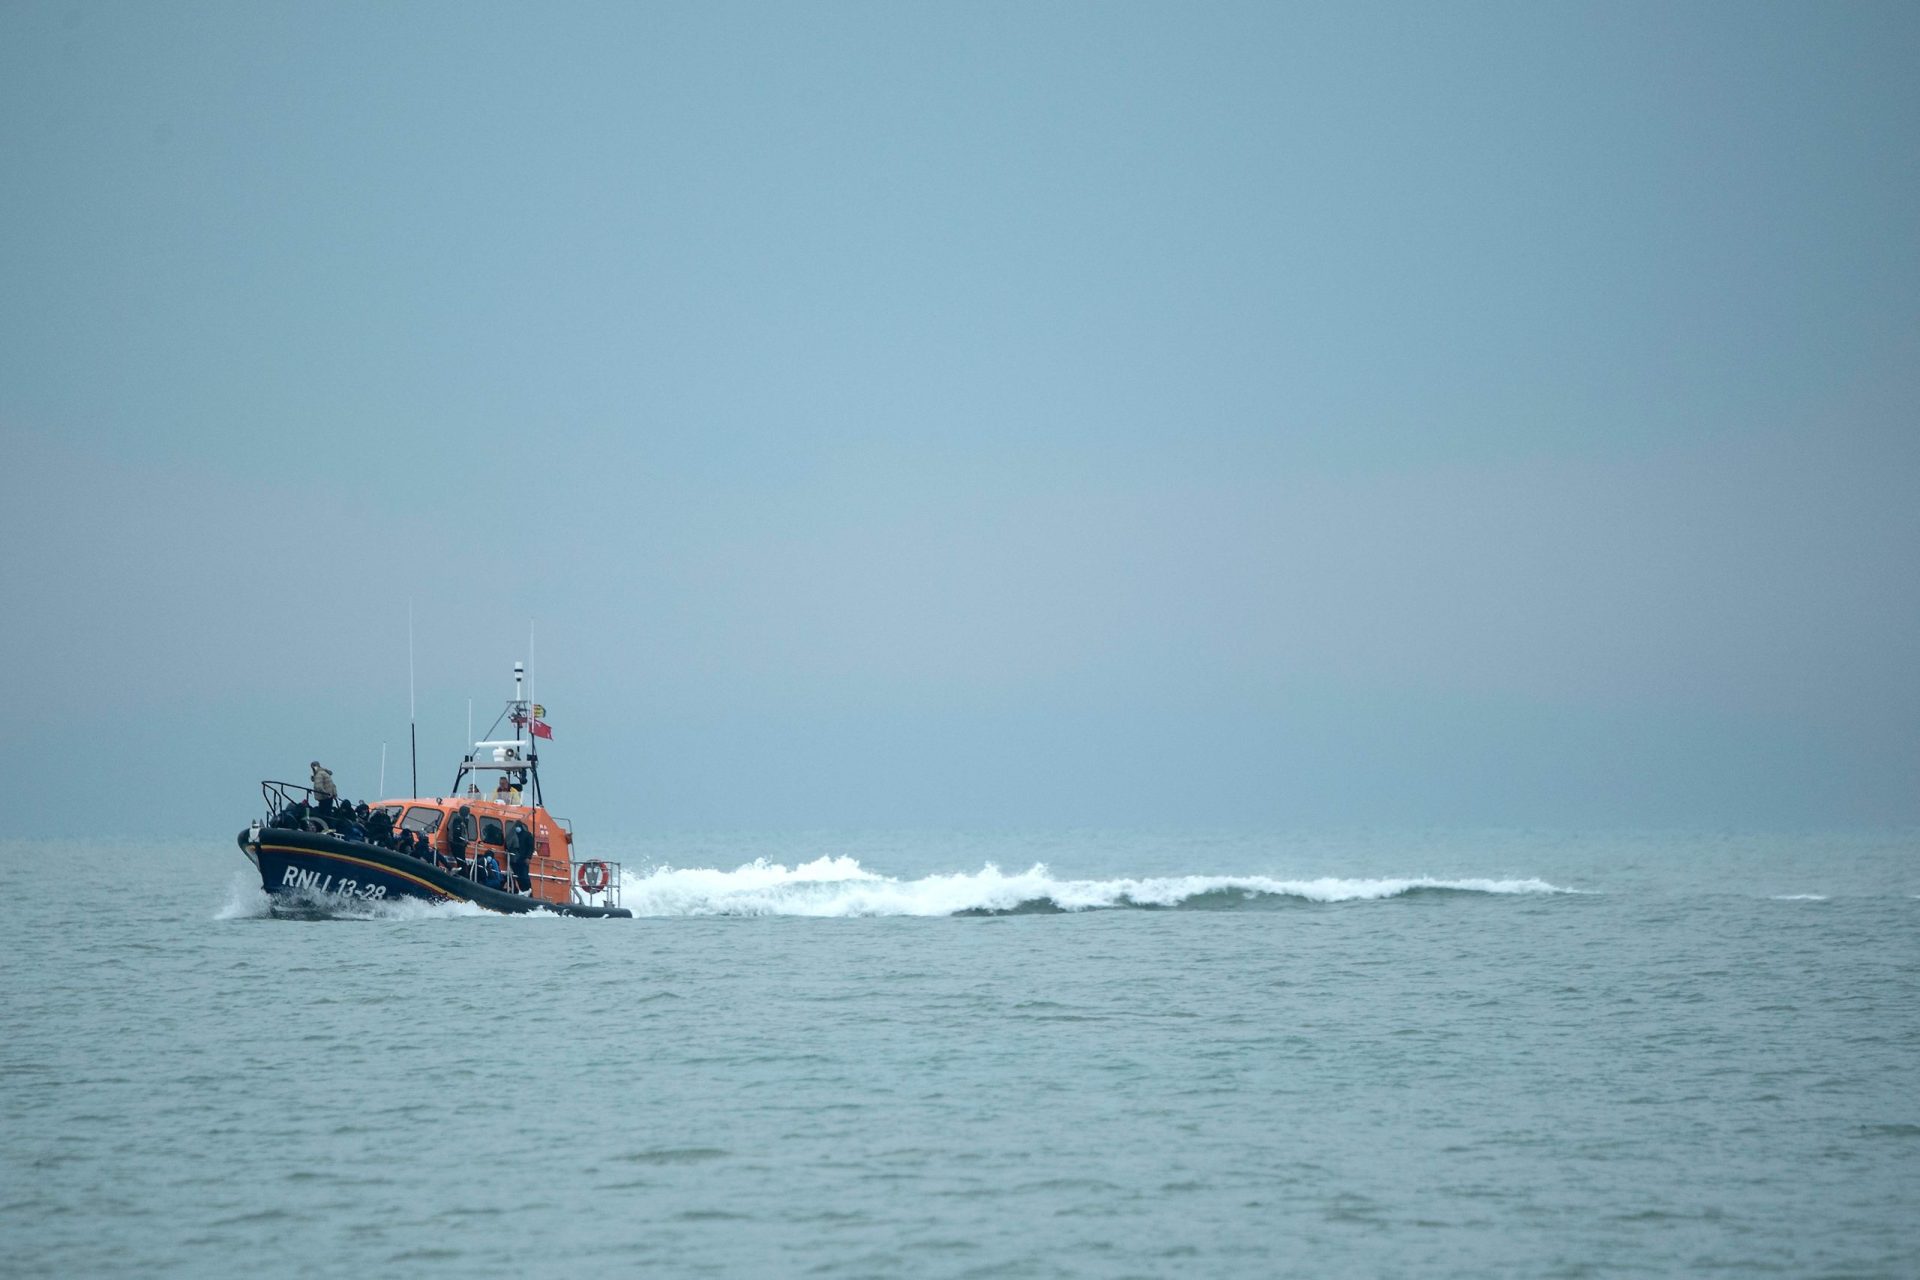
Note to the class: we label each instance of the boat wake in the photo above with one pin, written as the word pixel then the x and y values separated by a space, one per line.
pixel 246 900
pixel 840 886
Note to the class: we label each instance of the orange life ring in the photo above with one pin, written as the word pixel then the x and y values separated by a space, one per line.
pixel 592 876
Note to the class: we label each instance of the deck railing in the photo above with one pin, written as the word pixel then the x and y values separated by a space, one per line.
pixel 281 796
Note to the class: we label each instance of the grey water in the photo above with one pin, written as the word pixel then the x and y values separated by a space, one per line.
pixel 1019 1055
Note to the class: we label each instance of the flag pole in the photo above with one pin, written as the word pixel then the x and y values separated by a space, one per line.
pixel 533 739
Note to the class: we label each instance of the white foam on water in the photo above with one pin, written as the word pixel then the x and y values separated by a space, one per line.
pixel 413 909
pixel 840 886
pixel 246 900
pixel 1799 897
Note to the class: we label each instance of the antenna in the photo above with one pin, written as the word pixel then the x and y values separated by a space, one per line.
pixel 413 734
pixel 383 771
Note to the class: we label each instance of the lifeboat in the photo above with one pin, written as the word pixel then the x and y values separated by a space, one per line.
pixel 499 849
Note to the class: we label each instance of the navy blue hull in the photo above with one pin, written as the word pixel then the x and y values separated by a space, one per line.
pixel 305 867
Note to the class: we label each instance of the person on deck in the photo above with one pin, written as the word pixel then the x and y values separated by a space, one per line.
pixel 323 782
pixel 487 871
pixel 520 855
pixel 459 832
pixel 380 827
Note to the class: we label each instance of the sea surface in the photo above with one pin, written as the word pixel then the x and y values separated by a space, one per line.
pixel 1010 1055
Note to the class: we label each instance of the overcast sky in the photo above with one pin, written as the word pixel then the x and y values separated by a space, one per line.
pixel 967 415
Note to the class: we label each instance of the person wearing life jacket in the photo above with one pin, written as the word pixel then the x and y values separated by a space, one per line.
pixel 323 782
pixel 380 827
pixel 442 858
pixel 520 855
pixel 459 833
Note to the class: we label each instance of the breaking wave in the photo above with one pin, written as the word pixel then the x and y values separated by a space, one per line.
pixel 840 886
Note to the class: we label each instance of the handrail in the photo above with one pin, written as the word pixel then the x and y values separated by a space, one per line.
pixel 281 796
pixel 609 895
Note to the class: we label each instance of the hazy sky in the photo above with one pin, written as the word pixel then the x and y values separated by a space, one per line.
pixel 967 415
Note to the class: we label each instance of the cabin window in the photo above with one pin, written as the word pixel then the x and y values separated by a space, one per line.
pixel 490 832
pixel 422 820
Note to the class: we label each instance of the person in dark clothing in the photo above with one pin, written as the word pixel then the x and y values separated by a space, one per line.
pixel 520 856
pixel 487 871
pixel 380 827
pixel 459 832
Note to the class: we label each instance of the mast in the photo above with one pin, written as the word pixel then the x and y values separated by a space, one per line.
pixel 519 713
pixel 506 758
pixel 533 742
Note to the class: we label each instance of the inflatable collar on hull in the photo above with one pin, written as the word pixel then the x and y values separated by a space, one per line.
pixel 307 866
